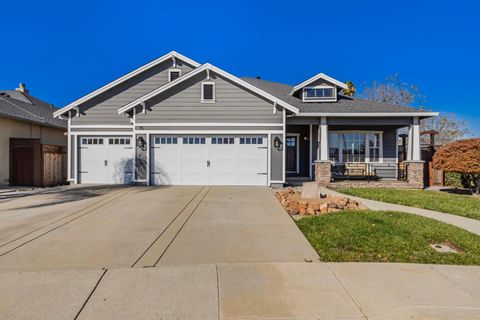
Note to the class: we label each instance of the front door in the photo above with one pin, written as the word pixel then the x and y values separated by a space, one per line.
pixel 292 154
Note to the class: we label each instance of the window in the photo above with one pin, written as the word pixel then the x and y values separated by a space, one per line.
pixel 208 92
pixel 166 140
pixel 92 141
pixel 318 94
pixel 120 141
pixel 334 147
pixel 251 140
pixel 193 140
pixel 223 140
pixel 174 74
pixel 355 146
pixel 374 146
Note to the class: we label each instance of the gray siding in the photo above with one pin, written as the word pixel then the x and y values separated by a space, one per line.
pixel 233 104
pixel 276 160
pixel 103 109
pixel 366 121
pixel 76 130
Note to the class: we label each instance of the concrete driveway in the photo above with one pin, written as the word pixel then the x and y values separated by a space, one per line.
pixel 211 252
pixel 95 228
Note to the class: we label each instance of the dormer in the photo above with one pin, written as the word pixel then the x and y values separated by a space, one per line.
pixel 320 88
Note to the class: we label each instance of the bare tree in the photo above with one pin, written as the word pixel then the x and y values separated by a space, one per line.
pixel 448 126
pixel 394 91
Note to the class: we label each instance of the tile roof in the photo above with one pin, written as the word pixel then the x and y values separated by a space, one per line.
pixel 23 106
pixel 342 105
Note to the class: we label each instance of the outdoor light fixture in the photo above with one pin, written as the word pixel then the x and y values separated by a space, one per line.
pixel 141 143
pixel 277 143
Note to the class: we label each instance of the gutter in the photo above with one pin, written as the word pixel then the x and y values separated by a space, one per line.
pixel 367 114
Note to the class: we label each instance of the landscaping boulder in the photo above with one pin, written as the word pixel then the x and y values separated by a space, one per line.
pixel 291 199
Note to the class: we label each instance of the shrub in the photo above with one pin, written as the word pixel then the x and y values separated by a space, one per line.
pixel 457 180
pixel 462 156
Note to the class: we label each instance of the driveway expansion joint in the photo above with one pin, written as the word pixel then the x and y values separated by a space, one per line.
pixel 90 295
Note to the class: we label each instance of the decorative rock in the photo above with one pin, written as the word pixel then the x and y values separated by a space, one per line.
pixel 292 202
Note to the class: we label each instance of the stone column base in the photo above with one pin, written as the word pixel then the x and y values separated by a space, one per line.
pixel 415 173
pixel 323 172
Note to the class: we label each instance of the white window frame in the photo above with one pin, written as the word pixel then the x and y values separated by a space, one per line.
pixel 327 99
pixel 213 100
pixel 174 70
pixel 367 145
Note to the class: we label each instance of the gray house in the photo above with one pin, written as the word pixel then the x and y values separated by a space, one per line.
pixel 174 121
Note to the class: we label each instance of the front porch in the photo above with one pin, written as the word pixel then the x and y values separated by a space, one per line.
pixel 352 152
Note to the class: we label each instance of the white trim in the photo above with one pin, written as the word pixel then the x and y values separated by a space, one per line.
pixel 284 133
pixel 69 150
pixel 75 154
pixel 208 124
pixel 367 114
pixel 99 126
pixel 324 151
pixel 149 155
pixel 315 78
pixel 126 77
pixel 276 181
pixel 103 133
pixel 208 131
pixel 333 98
pixel 310 145
pixel 204 67
pixel 213 100
pixel 174 70
pixel 297 146
pixel 269 158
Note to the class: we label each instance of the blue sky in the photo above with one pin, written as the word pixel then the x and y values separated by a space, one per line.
pixel 63 50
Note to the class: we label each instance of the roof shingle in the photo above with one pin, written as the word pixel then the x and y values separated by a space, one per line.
pixel 342 105
pixel 23 106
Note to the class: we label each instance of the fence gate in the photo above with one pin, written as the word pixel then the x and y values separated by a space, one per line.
pixel 54 165
pixel 435 177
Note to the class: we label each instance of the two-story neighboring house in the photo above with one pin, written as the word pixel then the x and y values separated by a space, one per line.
pixel 174 121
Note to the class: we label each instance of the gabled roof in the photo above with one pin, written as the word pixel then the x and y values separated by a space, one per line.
pixel 135 72
pixel 344 106
pixel 218 71
pixel 317 77
pixel 25 107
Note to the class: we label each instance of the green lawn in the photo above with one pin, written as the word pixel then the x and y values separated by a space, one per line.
pixel 462 205
pixel 387 236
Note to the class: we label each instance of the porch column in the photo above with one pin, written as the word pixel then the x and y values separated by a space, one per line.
pixel 414 153
pixel 323 128
pixel 323 167
pixel 414 164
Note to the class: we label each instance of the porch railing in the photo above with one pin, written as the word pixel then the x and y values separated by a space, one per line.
pixel 369 171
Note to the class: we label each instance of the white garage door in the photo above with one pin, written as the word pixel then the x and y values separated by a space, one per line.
pixel 106 160
pixel 209 160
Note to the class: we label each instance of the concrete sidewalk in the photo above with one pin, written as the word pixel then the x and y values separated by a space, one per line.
pixel 468 224
pixel 246 291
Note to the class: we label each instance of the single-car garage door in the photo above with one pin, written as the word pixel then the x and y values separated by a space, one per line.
pixel 209 160
pixel 106 160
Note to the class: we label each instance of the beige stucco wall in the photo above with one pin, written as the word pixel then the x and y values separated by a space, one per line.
pixel 10 128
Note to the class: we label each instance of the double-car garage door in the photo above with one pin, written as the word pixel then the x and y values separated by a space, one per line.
pixel 178 160
pixel 209 160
